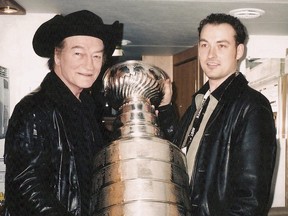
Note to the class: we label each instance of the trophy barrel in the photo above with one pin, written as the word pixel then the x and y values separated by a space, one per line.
pixel 139 173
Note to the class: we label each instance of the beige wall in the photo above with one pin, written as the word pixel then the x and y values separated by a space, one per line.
pixel 163 62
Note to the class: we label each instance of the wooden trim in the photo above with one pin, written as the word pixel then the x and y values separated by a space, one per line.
pixel 185 56
pixel 278 211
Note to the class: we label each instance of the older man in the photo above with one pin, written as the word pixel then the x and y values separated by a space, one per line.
pixel 53 134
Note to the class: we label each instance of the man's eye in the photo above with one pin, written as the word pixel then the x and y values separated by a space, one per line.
pixel 77 53
pixel 97 57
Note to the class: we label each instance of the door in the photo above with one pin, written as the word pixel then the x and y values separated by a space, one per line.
pixel 187 78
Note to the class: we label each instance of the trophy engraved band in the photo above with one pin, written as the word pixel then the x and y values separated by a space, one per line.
pixel 139 173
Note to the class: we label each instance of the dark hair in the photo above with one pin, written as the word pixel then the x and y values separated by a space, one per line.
pixel 220 18
pixel 51 60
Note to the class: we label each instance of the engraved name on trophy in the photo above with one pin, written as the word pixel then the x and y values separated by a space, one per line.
pixel 139 173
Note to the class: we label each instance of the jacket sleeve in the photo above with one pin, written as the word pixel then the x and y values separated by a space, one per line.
pixel 173 127
pixel 28 168
pixel 168 121
pixel 253 160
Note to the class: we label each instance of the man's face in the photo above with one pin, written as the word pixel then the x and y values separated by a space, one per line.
pixel 79 63
pixel 218 52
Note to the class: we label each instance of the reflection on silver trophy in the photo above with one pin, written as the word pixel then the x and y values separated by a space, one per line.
pixel 139 173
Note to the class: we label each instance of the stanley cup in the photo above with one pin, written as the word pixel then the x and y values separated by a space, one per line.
pixel 139 173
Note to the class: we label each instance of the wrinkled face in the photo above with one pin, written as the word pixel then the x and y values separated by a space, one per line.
pixel 218 51
pixel 79 62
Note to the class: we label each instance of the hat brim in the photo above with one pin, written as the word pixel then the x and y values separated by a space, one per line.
pixel 55 30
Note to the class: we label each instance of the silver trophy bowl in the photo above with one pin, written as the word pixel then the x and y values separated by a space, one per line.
pixel 139 173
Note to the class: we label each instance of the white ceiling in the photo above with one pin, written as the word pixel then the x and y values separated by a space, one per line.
pixel 158 27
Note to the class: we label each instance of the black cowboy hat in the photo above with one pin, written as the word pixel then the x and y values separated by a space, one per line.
pixel 83 22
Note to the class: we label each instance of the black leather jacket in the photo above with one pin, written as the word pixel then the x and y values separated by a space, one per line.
pixel 236 156
pixel 49 146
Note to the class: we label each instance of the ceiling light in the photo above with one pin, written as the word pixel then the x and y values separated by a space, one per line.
pixel 125 42
pixel 11 7
pixel 8 10
pixel 118 51
pixel 247 13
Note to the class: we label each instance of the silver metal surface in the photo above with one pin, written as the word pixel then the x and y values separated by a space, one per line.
pixel 153 148
pixel 144 208
pixel 132 81
pixel 139 173
pixel 141 189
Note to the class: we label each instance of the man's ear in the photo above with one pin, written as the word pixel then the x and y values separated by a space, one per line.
pixel 240 51
pixel 57 52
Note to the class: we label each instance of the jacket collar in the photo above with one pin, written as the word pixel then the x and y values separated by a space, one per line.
pixel 226 89
pixel 61 94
